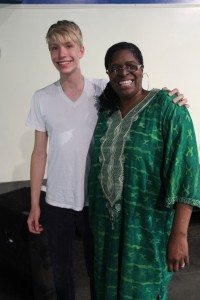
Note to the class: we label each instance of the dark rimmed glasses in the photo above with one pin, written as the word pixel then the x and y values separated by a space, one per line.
pixel 117 69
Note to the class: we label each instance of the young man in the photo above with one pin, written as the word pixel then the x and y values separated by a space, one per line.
pixel 65 113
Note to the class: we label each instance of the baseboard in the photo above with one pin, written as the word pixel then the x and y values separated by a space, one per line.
pixel 13 185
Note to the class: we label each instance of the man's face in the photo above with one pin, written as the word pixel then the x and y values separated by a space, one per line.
pixel 65 55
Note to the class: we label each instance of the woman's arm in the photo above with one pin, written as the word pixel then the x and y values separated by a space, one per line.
pixel 181 178
pixel 177 250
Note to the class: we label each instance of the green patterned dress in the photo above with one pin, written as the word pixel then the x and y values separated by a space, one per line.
pixel 141 165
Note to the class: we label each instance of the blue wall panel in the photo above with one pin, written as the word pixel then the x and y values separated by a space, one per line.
pixel 101 1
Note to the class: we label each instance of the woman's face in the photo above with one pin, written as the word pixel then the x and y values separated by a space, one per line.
pixel 125 73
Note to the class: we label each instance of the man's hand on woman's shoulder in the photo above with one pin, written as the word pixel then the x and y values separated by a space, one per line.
pixel 179 99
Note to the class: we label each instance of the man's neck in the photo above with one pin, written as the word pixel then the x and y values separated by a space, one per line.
pixel 72 86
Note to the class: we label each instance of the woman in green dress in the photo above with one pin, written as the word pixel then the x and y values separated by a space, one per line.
pixel 143 182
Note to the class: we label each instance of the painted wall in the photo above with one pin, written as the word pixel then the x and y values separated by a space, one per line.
pixel 168 36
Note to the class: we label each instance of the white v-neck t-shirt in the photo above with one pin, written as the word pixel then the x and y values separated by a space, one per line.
pixel 70 126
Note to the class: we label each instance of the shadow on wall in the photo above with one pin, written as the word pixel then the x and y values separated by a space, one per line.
pixel 21 169
pixel 6 15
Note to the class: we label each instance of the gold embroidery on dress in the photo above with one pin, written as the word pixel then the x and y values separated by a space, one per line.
pixel 112 155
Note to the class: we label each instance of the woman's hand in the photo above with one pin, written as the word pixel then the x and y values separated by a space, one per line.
pixel 177 252
pixel 177 248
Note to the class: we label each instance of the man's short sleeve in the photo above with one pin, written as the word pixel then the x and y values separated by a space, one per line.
pixel 35 119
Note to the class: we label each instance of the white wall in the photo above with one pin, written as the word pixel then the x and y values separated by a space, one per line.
pixel 168 35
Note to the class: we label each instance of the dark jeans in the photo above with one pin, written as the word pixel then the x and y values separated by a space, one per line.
pixel 61 224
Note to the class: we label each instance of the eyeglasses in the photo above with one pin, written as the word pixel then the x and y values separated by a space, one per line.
pixel 113 70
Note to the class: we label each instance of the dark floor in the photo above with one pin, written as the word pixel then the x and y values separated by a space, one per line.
pixel 184 286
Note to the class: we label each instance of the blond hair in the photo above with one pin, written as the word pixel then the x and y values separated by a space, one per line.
pixel 66 30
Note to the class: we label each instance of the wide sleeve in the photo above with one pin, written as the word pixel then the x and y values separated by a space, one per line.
pixel 181 169
pixel 36 119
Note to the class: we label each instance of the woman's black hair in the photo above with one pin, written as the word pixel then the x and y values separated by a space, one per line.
pixel 109 100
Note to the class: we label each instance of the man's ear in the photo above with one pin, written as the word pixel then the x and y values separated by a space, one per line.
pixel 82 51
